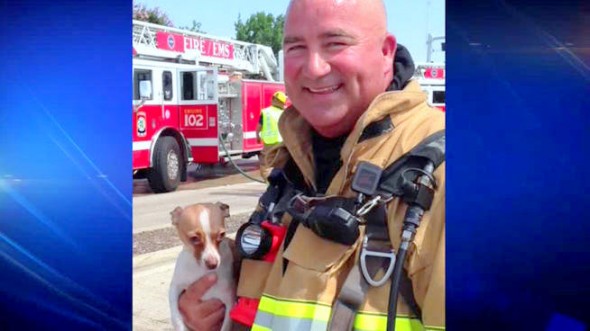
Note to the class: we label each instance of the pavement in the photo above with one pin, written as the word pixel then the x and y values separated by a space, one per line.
pixel 151 278
pixel 153 211
pixel 153 271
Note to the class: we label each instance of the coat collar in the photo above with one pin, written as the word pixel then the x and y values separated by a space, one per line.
pixel 296 132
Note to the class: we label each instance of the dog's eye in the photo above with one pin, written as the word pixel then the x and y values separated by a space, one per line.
pixel 195 240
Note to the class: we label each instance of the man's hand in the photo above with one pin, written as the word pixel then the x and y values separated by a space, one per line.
pixel 201 315
pixel 258 130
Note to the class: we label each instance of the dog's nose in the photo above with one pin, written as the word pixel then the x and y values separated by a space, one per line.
pixel 211 263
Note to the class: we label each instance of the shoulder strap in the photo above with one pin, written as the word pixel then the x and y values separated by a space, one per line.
pixel 293 182
pixel 430 149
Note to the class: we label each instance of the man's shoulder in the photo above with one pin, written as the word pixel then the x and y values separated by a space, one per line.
pixel 419 122
pixel 409 131
pixel 278 156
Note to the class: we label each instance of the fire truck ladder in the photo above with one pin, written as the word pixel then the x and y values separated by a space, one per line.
pixel 249 58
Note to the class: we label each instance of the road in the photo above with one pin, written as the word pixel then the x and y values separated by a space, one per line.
pixel 211 184
pixel 203 176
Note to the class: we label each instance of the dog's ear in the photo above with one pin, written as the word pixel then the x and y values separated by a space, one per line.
pixel 176 215
pixel 224 208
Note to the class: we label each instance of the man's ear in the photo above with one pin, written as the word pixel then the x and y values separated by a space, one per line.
pixel 388 50
pixel 176 215
pixel 224 208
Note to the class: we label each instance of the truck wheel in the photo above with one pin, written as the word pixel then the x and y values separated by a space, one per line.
pixel 165 173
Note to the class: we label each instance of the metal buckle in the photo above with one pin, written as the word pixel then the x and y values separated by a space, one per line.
pixel 364 253
pixel 298 203
pixel 368 206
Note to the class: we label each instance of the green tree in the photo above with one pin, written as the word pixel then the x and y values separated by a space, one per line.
pixel 195 28
pixel 151 15
pixel 262 28
pixel 157 16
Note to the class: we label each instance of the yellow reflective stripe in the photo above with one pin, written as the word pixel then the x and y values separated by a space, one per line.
pixel 283 323
pixel 370 322
pixel 290 310
pixel 435 328
pixel 256 327
pixel 295 309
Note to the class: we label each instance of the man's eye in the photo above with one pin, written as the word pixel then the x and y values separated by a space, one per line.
pixel 337 44
pixel 294 48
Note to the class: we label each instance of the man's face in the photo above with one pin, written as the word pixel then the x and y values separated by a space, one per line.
pixel 338 58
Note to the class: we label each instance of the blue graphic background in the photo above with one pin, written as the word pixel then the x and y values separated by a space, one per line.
pixel 518 135
pixel 65 165
pixel 518 140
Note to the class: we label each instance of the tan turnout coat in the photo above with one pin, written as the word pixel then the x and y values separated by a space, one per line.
pixel 318 267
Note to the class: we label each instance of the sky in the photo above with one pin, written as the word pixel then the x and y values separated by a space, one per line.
pixel 409 20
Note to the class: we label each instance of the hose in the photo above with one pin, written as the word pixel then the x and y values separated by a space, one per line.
pixel 394 290
pixel 411 223
pixel 234 164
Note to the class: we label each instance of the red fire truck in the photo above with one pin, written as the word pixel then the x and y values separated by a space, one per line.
pixel 196 98
pixel 431 77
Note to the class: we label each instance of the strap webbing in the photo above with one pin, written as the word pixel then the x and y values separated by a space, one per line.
pixel 349 300
pixel 351 297
pixel 355 286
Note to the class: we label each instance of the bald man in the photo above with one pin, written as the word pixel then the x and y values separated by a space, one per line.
pixel 353 100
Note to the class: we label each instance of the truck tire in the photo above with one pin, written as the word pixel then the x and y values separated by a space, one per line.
pixel 165 175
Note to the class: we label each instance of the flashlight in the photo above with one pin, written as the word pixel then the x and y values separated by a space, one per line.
pixel 260 241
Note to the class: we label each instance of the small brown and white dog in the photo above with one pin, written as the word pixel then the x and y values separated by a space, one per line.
pixel 201 228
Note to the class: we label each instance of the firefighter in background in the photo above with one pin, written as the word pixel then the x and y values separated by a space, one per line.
pixel 268 130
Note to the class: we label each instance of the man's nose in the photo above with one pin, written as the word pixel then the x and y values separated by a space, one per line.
pixel 316 65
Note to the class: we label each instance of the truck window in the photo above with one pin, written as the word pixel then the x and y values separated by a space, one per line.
pixel 188 86
pixel 199 85
pixel 167 85
pixel 138 76
pixel 438 97
pixel 206 85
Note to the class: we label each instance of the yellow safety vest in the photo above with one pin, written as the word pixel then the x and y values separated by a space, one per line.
pixel 270 128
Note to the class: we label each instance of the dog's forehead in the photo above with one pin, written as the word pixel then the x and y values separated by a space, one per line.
pixel 194 213
pixel 210 208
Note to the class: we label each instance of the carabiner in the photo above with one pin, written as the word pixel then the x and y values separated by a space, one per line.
pixel 368 206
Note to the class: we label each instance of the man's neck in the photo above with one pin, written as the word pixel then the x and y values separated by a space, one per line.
pixel 326 155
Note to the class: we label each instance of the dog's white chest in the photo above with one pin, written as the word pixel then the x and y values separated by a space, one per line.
pixel 187 271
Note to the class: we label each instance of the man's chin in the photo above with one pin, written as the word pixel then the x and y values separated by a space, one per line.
pixel 330 129
pixel 326 120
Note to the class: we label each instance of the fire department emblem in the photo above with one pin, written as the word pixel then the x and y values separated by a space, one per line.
pixel 434 73
pixel 171 41
pixel 141 125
